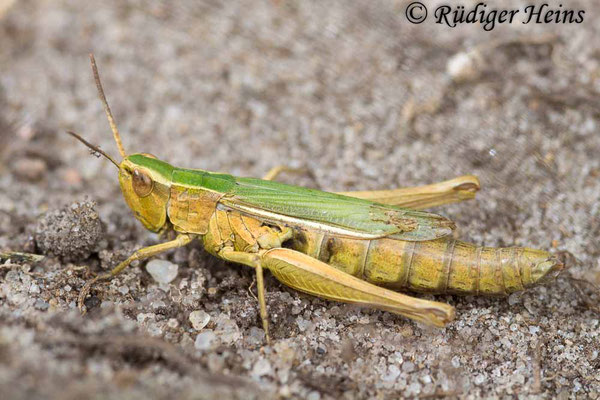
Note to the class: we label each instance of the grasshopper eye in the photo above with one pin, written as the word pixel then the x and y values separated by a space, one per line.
pixel 142 183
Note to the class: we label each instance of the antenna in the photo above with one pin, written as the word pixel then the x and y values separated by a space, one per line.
pixel 95 149
pixel 111 120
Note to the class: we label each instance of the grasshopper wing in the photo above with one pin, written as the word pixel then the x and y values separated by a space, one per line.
pixel 334 213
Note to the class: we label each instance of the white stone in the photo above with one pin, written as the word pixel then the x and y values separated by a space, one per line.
pixel 199 319
pixel 463 66
pixel 143 317
pixel 228 330
pixel 393 373
pixel 455 361
pixel 34 288
pixel 173 323
pixel 262 367
pixel 314 395
pixel 408 366
pixel 205 340
pixel 162 271
pixel 256 336
pixel 533 329
pixel 479 379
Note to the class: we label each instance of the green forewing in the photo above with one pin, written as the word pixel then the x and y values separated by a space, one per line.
pixel 324 208
pixel 331 209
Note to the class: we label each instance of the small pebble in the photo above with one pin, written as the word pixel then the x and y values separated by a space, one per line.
pixel 256 336
pixel 72 177
pixel 464 66
pixel 393 373
pixel 314 395
pixel 302 324
pixel 479 379
pixel 414 388
pixel 41 305
pixel 261 368
pixel 162 271
pixel 285 391
pixel 205 339
pixel 173 323
pixel 534 329
pixel 199 319
pixel 30 169
pixel 154 329
pixel 296 310
pixel 143 317
pixel 158 304
pixel 408 366
pixel 455 361
pixel 514 298
pixel 34 288
pixel 229 332
pixel 13 276
pixel 92 302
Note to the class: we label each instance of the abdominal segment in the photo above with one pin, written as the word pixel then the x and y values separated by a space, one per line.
pixel 438 266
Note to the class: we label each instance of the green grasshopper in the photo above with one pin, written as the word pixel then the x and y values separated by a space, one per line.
pixel 351 247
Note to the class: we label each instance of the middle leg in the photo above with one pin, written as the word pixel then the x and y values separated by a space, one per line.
pixel 252 260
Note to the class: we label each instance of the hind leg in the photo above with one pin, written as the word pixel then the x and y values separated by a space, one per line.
pixel 427 196
pixel 418 197
pixel 309 275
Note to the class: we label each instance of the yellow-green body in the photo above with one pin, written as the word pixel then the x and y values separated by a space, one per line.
pixel 344 247
pixel 329 245
pixel 443 265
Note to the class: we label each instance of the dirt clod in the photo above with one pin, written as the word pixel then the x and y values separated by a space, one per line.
pixel 71 233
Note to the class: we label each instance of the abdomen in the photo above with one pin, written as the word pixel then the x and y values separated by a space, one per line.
pixel 437 266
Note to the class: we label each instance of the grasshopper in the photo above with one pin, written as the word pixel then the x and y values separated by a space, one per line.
pixel 352 247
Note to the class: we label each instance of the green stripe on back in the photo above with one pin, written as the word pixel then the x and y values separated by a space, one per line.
pixel 163 168
pixel 198 178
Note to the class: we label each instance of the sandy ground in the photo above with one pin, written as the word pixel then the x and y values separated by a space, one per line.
pixel 364 100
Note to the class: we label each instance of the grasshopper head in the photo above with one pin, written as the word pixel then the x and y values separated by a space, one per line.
pixel 145 183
